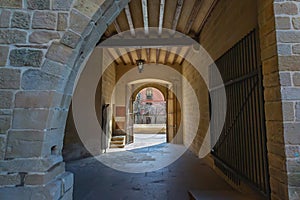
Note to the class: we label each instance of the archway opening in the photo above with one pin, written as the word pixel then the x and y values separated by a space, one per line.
pixel 149 117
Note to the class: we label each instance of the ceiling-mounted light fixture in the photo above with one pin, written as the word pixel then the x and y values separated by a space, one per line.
pixel 140 64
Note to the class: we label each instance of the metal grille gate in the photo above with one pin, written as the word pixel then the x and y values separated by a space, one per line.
pixel 241 153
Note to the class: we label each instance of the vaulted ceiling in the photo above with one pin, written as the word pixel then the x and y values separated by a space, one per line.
pixel 185 16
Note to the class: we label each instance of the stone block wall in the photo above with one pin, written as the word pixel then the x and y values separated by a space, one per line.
pixel 287 20
pixel 43 43
pixel 195 108
pixel 273 105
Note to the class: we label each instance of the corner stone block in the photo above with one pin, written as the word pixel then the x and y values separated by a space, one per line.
pixel 67 181
pixel 30 119
pixel 57 118
pixel 273 111
pixel 50 191
pixel 53 142
pixel 29 164
pixel 271 80
pixel 11 3
pixel 275 132
pixel 12 36
pixel 38 4
pixel 59 53
pixel 24 144
pixel 42 179
pixel 37 80
pixel 42 37
pixel 26 57
pixel 272 93
pixel 20 20
pixel 3 55
pixel 35 99
pixel 10 78
pixel 44 20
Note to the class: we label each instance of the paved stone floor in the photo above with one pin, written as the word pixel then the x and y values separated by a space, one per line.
pixel 94 180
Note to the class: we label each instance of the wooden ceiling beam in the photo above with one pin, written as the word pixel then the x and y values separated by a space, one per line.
pixel 117 26
pixel 145 14
pixel 212 7
pixel 148 55
pixel 157 55
pixel 146 43
pixel 161 16
pixel 112 57
pixel 176 55
pixel 185 55
pixel 177 14
pixel 193 15
pixel 130 21
pixel 130 57
pixel 139 53
pixel 121 57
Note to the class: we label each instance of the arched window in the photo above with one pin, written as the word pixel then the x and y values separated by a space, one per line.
pixel 149 93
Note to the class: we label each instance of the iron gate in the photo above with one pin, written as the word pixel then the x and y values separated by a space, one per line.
pixel 241 153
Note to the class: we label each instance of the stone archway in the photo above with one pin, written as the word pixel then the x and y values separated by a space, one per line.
pixel 36 92
pixel 173 109
pixel 36 106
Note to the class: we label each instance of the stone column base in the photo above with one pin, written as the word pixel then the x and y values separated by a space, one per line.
pixel 59 188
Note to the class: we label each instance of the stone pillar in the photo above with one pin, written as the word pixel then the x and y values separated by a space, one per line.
pixel 43 43
pixel 278 41
pixel 32 115
pixel 288 44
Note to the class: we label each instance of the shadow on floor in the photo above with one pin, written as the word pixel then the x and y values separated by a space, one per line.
pixel 94 180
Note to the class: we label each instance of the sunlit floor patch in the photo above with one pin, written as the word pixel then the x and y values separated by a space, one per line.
pixel 141 141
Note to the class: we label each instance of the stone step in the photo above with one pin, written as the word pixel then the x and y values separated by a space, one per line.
pixel 118 138
pixel 117 146
pixel 117 142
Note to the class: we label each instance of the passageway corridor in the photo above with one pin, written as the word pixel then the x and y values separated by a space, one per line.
pixel 94 181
